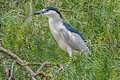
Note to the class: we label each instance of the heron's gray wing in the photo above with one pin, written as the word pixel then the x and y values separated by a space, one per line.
pixel 71 29
pixel 73 40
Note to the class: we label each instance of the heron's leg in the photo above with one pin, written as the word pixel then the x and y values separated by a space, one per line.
pixel 70 55
pixel 69 51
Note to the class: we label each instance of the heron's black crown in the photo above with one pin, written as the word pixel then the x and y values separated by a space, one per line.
pixel 54 9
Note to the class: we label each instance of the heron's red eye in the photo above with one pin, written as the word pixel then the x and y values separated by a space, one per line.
pixel 47 10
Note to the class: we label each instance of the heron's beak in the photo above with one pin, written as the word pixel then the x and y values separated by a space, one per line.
pixel 40 12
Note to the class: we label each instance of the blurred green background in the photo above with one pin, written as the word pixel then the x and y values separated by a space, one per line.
pixel 29 37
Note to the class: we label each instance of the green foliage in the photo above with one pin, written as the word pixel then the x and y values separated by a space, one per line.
pixel 29 37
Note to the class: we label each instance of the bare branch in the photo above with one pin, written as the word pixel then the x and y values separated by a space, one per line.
pixel 18 60
pixel 7 70
pixel 44 74
pixel 25 65
pixel 39 70
pixel 61 68
pixel 11 74
pixel 30 9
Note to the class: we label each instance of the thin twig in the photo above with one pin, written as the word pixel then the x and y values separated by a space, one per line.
pixel 7 70
pixel 61 68
pixel 30 9
pixel 42 65
pixel 45 75
pixel 3 57
pixel 12 68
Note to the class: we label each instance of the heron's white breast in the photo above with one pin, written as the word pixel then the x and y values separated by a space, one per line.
pixel 55 30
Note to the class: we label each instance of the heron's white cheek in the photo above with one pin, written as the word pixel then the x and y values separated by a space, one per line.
pixel 47 14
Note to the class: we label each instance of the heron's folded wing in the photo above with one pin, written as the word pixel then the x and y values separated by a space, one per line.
pixel 73 40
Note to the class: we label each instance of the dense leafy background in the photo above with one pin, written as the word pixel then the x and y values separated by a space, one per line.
pixel 29 37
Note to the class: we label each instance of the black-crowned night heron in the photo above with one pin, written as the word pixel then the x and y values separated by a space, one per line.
pixel 67 37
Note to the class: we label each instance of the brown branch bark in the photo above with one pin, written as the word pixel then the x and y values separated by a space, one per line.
pixel 39 71
pixel 7 70
pixel 18 60
pixel 25 65
pixel 11 74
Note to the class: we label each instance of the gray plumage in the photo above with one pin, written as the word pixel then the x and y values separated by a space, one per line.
pixel 67 37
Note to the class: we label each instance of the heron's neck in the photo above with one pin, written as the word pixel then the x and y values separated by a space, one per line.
pixel 54 21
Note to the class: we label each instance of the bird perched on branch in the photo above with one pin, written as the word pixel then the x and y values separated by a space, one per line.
pixel 67 37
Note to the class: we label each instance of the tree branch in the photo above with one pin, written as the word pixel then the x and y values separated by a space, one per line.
pixel 25 65
pixel 18 60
